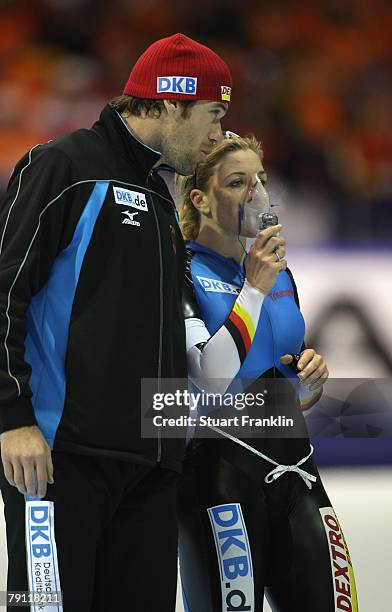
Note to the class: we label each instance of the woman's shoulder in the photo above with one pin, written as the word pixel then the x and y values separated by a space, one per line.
pixel 207 263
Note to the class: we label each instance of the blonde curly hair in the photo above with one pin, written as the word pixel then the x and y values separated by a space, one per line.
pixel 189 215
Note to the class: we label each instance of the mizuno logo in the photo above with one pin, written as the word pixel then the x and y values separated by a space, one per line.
pixel 129 220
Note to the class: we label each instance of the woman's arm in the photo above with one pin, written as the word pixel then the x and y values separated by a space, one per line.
pixel 307 397
pixel 214 361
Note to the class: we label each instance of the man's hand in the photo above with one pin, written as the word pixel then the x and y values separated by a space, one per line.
pixel 313 369
pixel 27 460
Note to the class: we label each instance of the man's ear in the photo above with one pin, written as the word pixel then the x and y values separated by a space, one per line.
pixel 200 201
pixel 172 107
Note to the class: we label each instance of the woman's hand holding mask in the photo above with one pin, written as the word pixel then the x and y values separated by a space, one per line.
pixel 266 259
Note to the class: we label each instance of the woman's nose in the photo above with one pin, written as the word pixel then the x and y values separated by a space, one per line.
pixel 253 187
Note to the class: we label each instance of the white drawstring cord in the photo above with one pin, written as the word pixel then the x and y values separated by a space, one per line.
pixel 279 469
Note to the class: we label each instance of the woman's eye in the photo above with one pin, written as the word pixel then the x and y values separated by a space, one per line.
pixel 235 183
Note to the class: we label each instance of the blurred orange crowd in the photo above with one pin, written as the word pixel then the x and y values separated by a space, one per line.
pixel 312 79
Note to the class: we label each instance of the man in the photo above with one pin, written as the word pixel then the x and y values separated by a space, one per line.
pixel 91 272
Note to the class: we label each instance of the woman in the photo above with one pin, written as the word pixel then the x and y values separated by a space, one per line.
pixel 254 516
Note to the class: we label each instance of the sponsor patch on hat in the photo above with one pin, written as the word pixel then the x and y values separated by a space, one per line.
pixel 226 93
pixel 177 84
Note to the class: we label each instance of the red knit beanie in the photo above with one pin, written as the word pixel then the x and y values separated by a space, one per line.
pixel 179 68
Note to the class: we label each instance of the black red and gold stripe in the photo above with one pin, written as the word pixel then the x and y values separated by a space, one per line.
pixel 242 329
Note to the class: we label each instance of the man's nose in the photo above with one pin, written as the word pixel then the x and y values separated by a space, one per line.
pixel 215 135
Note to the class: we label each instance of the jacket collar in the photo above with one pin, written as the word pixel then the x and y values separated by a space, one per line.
pixel 124 142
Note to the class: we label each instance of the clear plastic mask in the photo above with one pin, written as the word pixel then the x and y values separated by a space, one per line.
pixel 249 212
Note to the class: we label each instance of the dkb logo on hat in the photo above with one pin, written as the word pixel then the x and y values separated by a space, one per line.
pixel 178 67
pixel 176 84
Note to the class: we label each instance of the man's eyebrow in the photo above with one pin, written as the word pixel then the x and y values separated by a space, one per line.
pixel 220 106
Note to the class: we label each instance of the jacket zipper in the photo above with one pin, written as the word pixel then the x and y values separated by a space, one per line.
pixel 159 374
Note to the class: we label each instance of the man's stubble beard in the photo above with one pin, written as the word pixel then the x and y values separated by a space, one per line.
pixel 185 164
pixel 178 154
